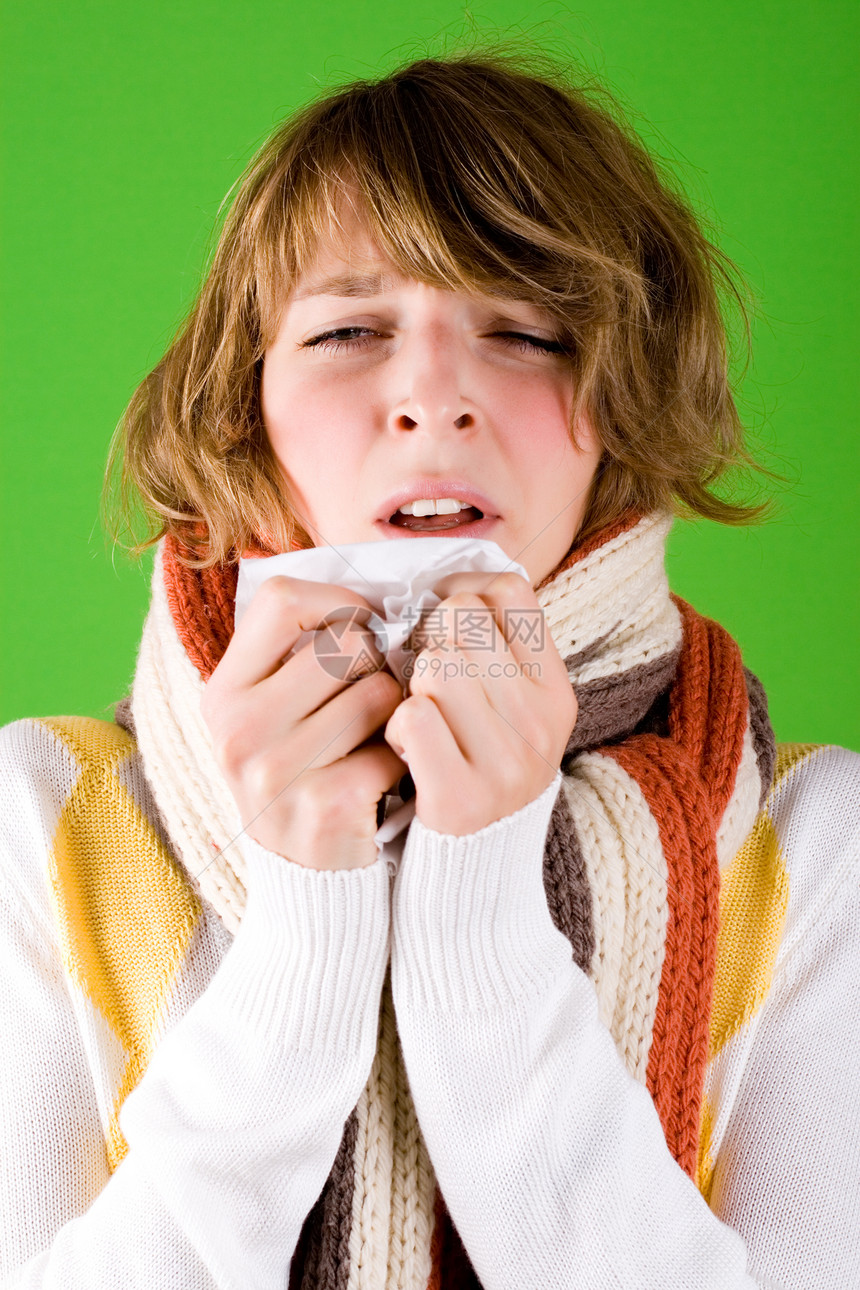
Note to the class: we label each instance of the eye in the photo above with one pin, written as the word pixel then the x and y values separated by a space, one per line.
pixel 353 338
pixel 341 338
pixel 526 343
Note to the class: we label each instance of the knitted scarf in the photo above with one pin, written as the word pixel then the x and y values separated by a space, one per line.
pixel 664 773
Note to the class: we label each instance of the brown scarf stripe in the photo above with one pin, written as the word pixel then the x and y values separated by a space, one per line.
pixel 321 1261
pixel 452 1267
pixel 566 881
pixel 611 706
pixel 762 732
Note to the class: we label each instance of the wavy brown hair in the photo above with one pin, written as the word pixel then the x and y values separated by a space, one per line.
pixel 490 172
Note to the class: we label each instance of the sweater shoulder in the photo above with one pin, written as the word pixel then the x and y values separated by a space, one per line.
pixel 811 831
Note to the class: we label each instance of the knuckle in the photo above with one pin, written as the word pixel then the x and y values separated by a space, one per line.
pixel 236 739
pixel 360 787
pixel 423 678
pixel 411 715
pixel 277 594
pixel 345 607
pixel 275 605
pixel 313 794
pixel 349 599
pixel 230 745
pixel 511 772
pixel 327 803
pixel 263 781
pixel 511 584
pixel 462 599
pixel 513 594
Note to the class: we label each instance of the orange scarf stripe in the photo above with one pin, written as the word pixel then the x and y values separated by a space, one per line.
pixel 200 598
pixel 711 730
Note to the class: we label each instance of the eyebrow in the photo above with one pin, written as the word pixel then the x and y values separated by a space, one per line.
pixel 350 284
pixel 370 283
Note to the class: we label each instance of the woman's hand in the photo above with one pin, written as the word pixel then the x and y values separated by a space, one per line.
pixel 298 743
pixel 490 706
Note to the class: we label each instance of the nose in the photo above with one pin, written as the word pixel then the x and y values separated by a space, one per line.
pixel 428 394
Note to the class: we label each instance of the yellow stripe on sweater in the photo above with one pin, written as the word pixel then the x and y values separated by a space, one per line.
pixel 124 910
pixel 754 892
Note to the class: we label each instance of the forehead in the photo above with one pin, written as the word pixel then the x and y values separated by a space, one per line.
pixel 346 259
pixel 348 262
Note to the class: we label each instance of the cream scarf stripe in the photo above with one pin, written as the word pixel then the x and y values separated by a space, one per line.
pixel 195 802
pixel 614 604
pixel 629 899
pixel 612 614
pixel 613 610
pixel 743 804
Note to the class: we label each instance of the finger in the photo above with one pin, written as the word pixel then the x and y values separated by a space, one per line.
pixel 280 611
pixel 453 682
pixel 312 677
pixel 346 721
pixel 474 651
pixel 376 767
pixel 522 626
pixel 354 716
pixel 472 580
pixel 359 778
pixel 419 733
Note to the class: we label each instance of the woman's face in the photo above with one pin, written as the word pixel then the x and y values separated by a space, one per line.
pixel 380 389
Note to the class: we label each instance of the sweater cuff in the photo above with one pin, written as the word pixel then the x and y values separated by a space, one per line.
pixel 472 929
pixel 307 964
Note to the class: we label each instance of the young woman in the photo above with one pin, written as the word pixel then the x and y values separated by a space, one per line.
pixel 616 1042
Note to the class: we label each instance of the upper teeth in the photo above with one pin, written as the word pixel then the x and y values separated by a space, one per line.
pixel 434 506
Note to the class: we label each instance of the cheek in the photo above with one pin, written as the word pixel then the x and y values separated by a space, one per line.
pixel 308 422
pixel 537 414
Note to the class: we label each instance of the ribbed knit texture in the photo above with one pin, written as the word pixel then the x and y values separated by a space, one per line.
pixel 668 764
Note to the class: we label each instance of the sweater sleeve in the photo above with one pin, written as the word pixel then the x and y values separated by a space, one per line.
pixel 550 1156
pixel 237 1120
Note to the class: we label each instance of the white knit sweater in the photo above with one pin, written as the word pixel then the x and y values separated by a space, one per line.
pixel 550 1156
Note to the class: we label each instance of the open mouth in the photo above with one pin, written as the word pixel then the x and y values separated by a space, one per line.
pixel 436 523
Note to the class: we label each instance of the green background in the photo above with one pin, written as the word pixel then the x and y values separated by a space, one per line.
pixel 124 126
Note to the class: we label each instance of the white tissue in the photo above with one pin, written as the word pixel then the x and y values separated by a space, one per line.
pixel 396 577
